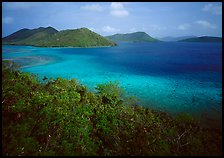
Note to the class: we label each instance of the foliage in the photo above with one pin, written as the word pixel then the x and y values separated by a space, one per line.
pixel 62 117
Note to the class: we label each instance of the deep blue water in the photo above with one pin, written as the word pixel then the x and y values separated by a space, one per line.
pixel 168 76
pixel 165 58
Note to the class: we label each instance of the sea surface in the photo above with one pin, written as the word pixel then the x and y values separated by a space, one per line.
pixel 173 77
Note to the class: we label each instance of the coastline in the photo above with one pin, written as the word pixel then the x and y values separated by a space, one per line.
pixel 57 46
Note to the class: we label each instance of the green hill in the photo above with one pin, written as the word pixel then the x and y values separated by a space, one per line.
pixel 26 33
pixel 46 37
pixel 203 39
pixel 132 37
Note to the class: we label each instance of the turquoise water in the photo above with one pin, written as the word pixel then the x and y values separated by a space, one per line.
pixel 172 77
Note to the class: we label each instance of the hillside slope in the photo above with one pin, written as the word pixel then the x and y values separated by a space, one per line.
pixel 82 37
pixel 27 33
pixel 132 37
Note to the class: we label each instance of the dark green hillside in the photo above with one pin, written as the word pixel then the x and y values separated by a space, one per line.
pixel 82 37
pixel 203 39
pixel 48 37
pixel 37 37
pixel 132 37
pixel 19 35
pixel 63 118
pixel 27 33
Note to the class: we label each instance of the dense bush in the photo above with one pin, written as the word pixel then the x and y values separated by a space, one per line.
pixel 62 117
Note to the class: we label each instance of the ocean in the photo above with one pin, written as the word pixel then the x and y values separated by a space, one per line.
pixel 173 77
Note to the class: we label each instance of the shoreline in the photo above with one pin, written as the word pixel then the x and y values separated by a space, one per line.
pixel 57 46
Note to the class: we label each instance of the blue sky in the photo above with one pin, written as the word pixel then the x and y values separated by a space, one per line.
pixel 158 19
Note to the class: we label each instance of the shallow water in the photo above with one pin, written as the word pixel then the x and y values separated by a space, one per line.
pixel 173 77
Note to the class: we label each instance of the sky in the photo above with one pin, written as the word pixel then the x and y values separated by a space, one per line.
pixel 158 19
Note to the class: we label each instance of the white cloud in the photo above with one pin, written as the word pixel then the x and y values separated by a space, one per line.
pixel 205 24
pixel 183 26
pixel 119 13
pixel 118 10
pixel 18 5
pixel 7 20
pixel 93 7
pixel 110 29
pixel 116 5
pixel 214 9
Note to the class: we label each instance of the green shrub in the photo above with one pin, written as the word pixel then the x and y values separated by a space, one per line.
pixel 61 117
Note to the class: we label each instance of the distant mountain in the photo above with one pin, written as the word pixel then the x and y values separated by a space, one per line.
pixel 50 37
pixel 132 37
pixel 203 39
pixel 174 39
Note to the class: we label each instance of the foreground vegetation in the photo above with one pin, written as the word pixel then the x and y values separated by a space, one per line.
pixel 62 117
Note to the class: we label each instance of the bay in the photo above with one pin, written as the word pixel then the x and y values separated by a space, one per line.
pixel 173 77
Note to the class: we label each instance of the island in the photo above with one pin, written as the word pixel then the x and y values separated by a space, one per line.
pixel 132 37
pixel 50 37
pixel 174 39
pixel 203 39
